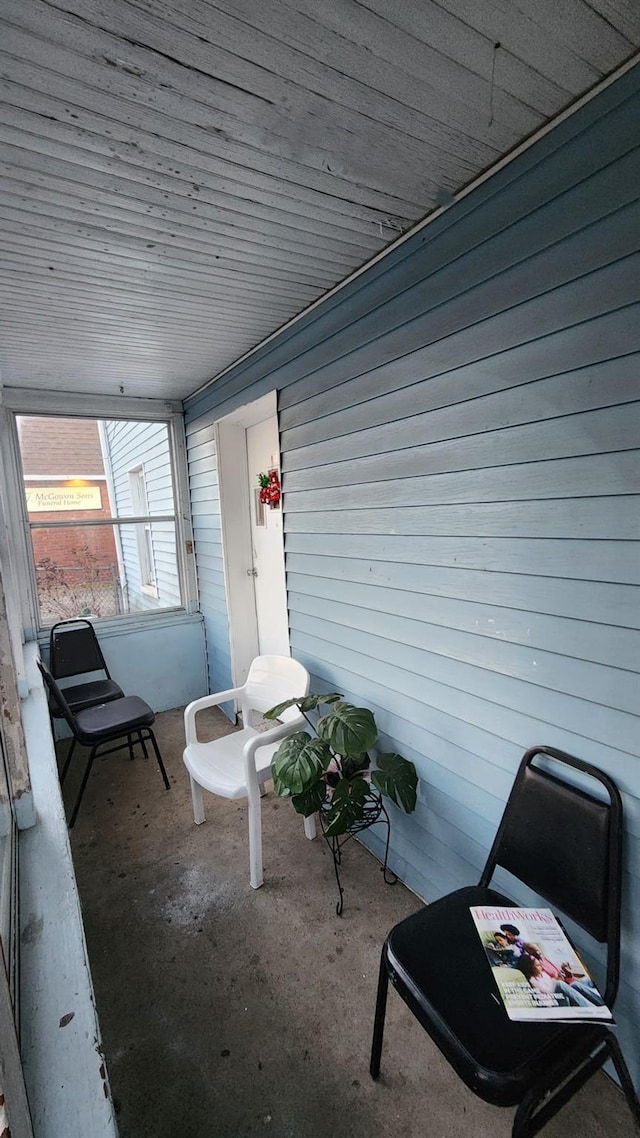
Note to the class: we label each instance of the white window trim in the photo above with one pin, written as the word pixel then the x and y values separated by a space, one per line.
pixel 144 538
pixel 64 477
pixel 16 401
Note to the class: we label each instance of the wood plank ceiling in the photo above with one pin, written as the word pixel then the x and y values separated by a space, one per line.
pixel 181 177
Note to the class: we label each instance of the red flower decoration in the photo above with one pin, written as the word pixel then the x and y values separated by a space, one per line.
pixel 270 489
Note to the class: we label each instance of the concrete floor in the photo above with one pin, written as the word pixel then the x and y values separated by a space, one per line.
pixel 229 1012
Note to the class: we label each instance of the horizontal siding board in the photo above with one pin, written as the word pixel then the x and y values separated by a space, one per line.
pixel 615 562
pixel 604 474
pixel 205 509
pixel 565 437
pixel 210 550
pixel 459 294
pixel 404 434
pixel 450 678
pixel 551 666
pixel 615 518
pixel 217 643
pixel 201 479
pixel 209 558
pixel 211 587
pixel 216 612
pixel 547 399
pixel 451 340
pixel 579 638
pixel 200 466
pixel 200 450
pixel 208 494
pixel 605 603
pixel 410 711
pixel 440 762
pixel 207 532
pixel 471 332
pixel 200 435
pixel 476 766
pixel 604 337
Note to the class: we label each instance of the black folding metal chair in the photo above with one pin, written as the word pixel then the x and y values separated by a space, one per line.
pixel 565 845
pixel 74 651
pixel 128 718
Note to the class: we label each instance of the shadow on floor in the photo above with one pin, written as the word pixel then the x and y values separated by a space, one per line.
pixel 227 1011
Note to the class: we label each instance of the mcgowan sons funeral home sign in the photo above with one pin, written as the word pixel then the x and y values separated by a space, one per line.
pixel 50 499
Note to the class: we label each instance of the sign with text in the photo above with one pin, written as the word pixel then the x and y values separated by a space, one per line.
pixel 51 499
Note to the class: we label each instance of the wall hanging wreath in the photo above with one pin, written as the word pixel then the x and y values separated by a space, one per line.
pixel 270 489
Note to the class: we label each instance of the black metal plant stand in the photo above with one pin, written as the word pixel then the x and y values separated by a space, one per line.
pixel 374 812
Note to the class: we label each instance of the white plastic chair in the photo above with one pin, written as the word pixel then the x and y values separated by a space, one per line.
pixel 238 764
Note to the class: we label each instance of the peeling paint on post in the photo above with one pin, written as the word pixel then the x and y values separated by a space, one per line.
pixel 11 727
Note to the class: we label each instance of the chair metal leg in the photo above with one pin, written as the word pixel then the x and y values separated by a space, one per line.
pixel 378 1025
pixel 67 761
pixel 143 744
pixel 130 745
pixel 625 1078
pixel 83 784
pixel 256 876
pixel 544 1100
pixel 152 739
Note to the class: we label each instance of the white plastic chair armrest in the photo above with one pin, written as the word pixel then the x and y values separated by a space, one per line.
pixel 274 735
pixel 197 705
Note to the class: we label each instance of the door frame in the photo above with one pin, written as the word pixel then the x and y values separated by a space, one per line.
pixel 235 523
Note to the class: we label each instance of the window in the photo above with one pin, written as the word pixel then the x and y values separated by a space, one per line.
pixel 144 537
pixel 101 515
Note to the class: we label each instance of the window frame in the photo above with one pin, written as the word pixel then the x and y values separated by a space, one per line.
pixel 20 814
pixel 144 538
pixel 23 402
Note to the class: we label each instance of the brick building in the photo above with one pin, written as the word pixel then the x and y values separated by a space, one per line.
pixel 65 481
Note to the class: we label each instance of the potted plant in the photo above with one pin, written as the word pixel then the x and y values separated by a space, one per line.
pixel 330 770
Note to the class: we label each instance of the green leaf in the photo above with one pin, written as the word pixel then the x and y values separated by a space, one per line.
pixel 348 730
pixel 347 806
pixel 397 778
pixel 351 765
pixel 276 712
pixel 298 763
pixel 310 702
pixel 310 801
pixel 305 703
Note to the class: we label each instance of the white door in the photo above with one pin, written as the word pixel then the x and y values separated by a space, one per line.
pixel 267 542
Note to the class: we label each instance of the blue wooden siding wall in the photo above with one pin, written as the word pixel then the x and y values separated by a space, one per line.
pixel 458 429
pixel 134 444
pixel 205 519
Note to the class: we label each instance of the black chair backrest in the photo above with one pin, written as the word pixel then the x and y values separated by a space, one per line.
pixel 565 845
pixel 56 695
pixel 74 649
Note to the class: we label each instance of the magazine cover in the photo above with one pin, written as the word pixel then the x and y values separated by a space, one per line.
pixel 538 971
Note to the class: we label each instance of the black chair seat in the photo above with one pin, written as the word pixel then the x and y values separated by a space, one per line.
pixel 438 965
pixel 75 652
pixel 81 696
pixel 127 718
pixel 565 845
pixel 121 716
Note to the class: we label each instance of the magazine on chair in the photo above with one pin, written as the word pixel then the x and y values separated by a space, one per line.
pixel 538 971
